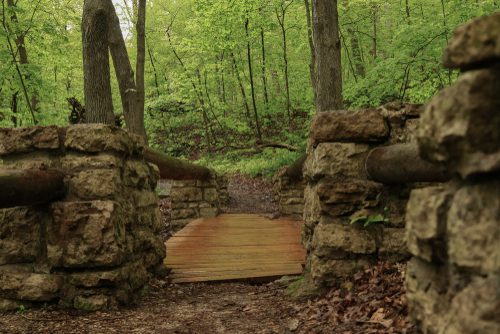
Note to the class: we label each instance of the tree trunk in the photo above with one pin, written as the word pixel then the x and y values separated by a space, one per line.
pixel 252 87
pixel 176 169
pixel 30 187
pixel 327 45
pixel 97 86
pixel 140 65
pixel 374 37
pixel 242 88
pixel 310 38
pixel 264 78
pixel 281 21
pixel 357 58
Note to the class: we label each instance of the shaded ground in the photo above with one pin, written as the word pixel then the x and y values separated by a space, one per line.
pixel 373 302
pixel 250 195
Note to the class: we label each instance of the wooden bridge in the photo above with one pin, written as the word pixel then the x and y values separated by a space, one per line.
pixel 234 247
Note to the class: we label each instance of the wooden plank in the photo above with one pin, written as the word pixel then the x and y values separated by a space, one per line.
pixel 235 246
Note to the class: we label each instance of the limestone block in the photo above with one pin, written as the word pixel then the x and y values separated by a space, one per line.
pixel 32 160
pixel 144 198
pixel 335 241
pixel 426 287
pixel 20 234
pixel 473 227
pixel 150 217
pixel 184 183
pixel 29 286
pixel 460 126
pixel 154 175
pixel 475 309
pixel 184 214
pixel 209 212
pixel 292 209
pixel 325 272
pixel 95 184
pixel 393 247
pixel 188 194
pixel 92 303
pixel 474 44
pixel 20 140
pixel 426 223
pixel 92 279
pixel 86 234
pixel 336 160
pixel 96 138
pixel 137 174
pixel 210 195
pixel 7 305
pixel 349 126
pixel 74 162
pixel 351 191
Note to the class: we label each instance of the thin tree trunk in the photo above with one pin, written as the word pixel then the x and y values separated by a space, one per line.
pixel 97 84
pixel 140 67
pixel 281 20
pixel 327 44
pixel 310 38
pixel 374 38
pixel 264 78
pixel 252 87
pixel 153 65
pixel 356 50
pixel 242 88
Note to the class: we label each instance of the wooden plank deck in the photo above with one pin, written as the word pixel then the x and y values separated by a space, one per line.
pixel 235 247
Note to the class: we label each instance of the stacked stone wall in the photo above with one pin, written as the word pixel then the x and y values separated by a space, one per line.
pixel 339 198
pixel 194 199
pixel 98 246
pixel 453 231
pixel 289 194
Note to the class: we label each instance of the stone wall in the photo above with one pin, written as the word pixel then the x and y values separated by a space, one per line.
pixel 98 246
pixel 453 281
pixel 194 199
pixel 339 198
pixel 289 194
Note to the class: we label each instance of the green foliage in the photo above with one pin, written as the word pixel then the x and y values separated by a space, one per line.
pixel 369 220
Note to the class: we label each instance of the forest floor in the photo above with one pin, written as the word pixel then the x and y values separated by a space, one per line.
pixel 373 302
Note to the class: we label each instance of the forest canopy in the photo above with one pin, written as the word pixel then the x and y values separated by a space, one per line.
pixel 223 77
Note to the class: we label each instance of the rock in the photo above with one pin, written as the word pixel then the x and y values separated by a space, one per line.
pixel 32 160
pixel 354 192
pixel 349 126
pixel 337 161
pixel 312 205
pixel 137 174
pixel 295 210
pixel 335 241
pixel 474 44
pixel 97 278
pixel 98 138
pixel 209 212
pixel 86 235
pixel 474 229
pixel 95 184
pixel 458 127
pixel 393 247
pixel 183 214
pixel 8 305
pixel 426 223
pixel 21 140
pixel 144 199
pixel 92 303
pixel 20 234
pixel 29 286
pixel 327 272
pixel 210 195
pixel 475 309
pixel 188 194
pixel 75 162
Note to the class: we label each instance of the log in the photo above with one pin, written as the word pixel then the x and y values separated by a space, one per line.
pixel 401 163
pixel 23 187
pixel 176 169
pixel 294 171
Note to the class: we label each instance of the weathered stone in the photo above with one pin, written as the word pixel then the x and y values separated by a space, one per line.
pixel 188 194
pixel 473 227
pixel 459 128
pixel 92 303
pixel 7 305
pixel 474 44
pixel 20 233
pixel 183 214
pixel 209 212
pixel 144 199
pixel 32 160
pixel 291 201
pixel 327 272
pixel 336 160
pixel 426 223
pixel 95 184
pixel 349 126
pixel 20 140
pixel 476 308
pixel 185 183
pixel 404 133
pixel 86 234
pixel 94 138
pixel 73 162
pixel 393 247
pixel 96 278
pixel 349 191
pixel 137 174
pixel 210 195
pixel 426 286
pixel 29 286
pixel 312 205
pixel 334 241
pixel 154 175
pixel 292 210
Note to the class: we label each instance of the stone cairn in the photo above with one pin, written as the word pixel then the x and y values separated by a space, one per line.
pixel 338 191
pixel 98 246
pixel 453 232
pixel 192 199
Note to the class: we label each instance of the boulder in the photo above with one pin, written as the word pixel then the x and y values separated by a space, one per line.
pixel 474 44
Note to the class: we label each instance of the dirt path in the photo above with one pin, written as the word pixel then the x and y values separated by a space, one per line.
pixel 250 195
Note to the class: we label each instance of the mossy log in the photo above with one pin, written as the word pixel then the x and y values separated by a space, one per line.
pixel 23 187
pixel 176 169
